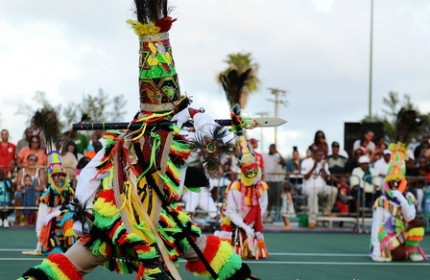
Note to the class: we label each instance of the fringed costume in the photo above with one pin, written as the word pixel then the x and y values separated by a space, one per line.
pixel 54 225
pixel 245 199
pixel 396 231
pixel 136 226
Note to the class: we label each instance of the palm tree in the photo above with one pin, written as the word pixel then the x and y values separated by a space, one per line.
pixel 242 62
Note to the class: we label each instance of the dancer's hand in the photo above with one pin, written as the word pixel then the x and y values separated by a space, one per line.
pixel 249 231
pixel 50 216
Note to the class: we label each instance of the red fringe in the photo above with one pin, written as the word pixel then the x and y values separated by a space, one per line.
pixel 113 230
pixel 165 24
pixel 212 247
pixel 65 265
pixel 140 272
pixel 108 195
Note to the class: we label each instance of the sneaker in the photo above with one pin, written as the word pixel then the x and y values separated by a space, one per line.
pixel 6 223
pixel 381 259
pixel 268 220
pixel 311 225
pixel 286 228
pixel 416 257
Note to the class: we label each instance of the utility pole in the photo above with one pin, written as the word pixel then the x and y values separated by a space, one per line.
pixel 261 114
pixel 277 101
pixel 371 60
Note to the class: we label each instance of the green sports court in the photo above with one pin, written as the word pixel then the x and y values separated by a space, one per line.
pixel 293 255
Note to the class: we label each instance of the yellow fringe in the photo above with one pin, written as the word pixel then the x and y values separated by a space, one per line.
pixel 143 29
pixel 58 272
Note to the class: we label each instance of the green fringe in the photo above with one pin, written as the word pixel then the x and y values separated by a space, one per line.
pixel 103 222
pixel 230 267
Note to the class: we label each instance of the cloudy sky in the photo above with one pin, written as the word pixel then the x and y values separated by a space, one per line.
pixel 318 50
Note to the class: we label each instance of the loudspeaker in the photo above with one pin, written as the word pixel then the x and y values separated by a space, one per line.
pixel 354 131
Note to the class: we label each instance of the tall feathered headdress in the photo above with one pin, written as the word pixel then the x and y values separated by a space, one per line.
pixel 407 123
pixel 233 84
pixel 158 81
pixel 48 122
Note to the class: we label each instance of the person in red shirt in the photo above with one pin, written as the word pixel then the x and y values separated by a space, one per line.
pixel 258 156
pixel 7 153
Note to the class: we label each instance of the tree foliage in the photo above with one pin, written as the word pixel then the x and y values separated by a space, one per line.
pixel 99 108
pixel 393 117
pixel 242 62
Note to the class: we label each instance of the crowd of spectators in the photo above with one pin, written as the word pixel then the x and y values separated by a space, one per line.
pixel 23 169
pixel 327 180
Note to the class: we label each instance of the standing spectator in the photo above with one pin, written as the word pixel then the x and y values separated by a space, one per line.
pixel 425 144
pixel 73 149
pixel 96 147
pixel 33 149
pixel 7 153
pixel 293 164
pixel 258 156
pixel 38 176
pixel 320 143
pixel 417 180
pixel 368 135
pixel 29 200
pixel 364 179
pixel 315 171
pixel 5 189
pixel 24 142
pixel 273 162
pixel 37 132
pixel 287 210
pixel 381 165
pixel 81 142
pixel 337 164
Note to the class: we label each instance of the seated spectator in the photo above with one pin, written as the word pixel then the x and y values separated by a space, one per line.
pixel 353 161
pixel 38 176
pixel 368 136
pixel 342 200
pixel 364 186
pixel 33 149
pixel 380 147
pixel 337 164
pixel 5 189
pixel 381 166
pixel 29 199
pixel 424 145
pixel 315 171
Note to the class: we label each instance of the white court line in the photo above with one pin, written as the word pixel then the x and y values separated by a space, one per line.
pixel 13 250
pixel 284 262
pixel 318 254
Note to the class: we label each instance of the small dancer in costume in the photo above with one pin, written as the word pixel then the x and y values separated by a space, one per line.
pixel 137 226
pixel 54 225
pixel 246 198
pixel 396 231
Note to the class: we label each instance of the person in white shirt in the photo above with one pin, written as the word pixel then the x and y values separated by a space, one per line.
pixel 381 165
pixel 273 166
pixel 367 136
pixel 315 171
pixel 365 184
